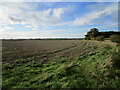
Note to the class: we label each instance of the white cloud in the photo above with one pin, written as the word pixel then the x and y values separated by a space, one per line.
pixel 12 13
pixel 58 12
pixel 28 26
pixel 86 19
pixel 89 17
pixel 5 29
pixel 23 13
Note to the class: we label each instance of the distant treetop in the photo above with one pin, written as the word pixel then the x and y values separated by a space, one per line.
pixel 94 30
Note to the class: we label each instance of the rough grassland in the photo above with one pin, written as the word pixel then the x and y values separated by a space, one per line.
pixel 59 64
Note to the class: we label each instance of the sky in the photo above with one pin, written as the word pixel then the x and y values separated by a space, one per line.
pixel 56 19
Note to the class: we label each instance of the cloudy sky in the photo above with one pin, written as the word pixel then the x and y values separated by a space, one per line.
pixel 56 19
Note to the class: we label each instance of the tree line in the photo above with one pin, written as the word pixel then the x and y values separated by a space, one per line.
pixel 94 34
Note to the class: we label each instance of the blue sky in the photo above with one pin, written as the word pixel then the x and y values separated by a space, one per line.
pixel 56 19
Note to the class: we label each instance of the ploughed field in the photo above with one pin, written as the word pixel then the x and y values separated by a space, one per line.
pixel 43 50
pixel 59 64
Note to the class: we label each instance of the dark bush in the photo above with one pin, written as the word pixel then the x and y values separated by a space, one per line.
pixel 100 38
pixel 115 38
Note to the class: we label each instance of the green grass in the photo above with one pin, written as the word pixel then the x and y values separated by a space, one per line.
pixel 90 70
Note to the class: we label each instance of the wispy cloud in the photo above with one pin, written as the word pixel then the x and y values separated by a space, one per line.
pixel 89 17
